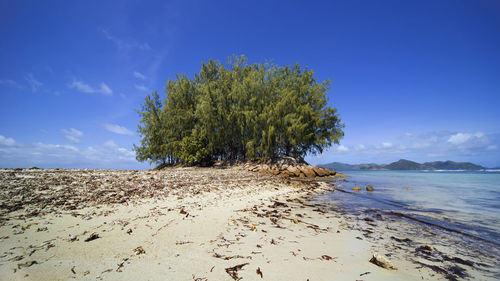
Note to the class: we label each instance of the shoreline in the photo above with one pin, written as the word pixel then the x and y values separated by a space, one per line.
pixel 183 224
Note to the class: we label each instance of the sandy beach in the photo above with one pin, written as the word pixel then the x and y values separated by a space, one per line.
pixel 195 224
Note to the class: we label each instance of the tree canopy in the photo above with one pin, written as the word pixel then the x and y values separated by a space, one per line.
pixel 238 111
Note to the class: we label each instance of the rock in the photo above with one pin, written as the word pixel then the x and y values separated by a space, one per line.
pixel 308 171
pixel 382 261
pixel 293 170
pixel 274 171
pixel 357 188
pixel 319 172
pixel 286 174
pixel 328 172
pixel 369 188
pixel 253 168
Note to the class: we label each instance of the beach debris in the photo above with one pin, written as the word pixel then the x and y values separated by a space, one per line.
pixel 139 250
pixel 382 261
pixel 233 271
pixel 424 249
pixel 368 272
pixel 219 256
pixel 73 270
pixel 259 272
pixel 327 257
pixel 120 265
pixel 26 264
pixel 295 220
pixel 356 188
pixel 16 258
pixel 92 236
pixel 42 229
pixel 129 231
pixel 369 188
pixel 72 238
pixel 182 212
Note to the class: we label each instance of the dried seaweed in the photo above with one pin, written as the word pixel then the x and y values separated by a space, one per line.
pixel 233 271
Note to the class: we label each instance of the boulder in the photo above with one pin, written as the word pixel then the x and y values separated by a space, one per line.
pixel 356 188
pixel 274 171
pixel 319 172
pixel 327 172
pixel 381 261
pixel 286 174
pixel 308 171
pixel 294 170
pixel 369 188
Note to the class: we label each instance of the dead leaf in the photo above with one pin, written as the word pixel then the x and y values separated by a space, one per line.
pixel 26 264
pixel 233 271
pixel 139 250
pixel 326 257
pixel 92 236
pixel 259 272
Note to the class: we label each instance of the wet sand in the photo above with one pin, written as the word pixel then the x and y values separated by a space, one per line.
pixel 190 224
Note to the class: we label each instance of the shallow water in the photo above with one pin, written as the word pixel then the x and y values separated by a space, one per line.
pixel 464 204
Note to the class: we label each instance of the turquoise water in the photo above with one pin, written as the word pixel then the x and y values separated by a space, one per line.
pixel 467 203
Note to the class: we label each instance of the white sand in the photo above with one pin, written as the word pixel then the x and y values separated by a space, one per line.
pixel 217 229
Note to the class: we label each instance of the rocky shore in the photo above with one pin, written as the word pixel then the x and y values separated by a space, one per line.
pixel 232 224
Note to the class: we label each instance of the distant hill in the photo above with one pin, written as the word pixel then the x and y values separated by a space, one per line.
pixel 404 164
pixel 337 166
pixel 450 165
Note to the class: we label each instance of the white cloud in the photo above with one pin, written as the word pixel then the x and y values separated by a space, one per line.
pixel 105 89
pixel 117 129
pixel 82 87
pixel 359 147
pixel 86 88
pixel 7 141
pixel 387 145
pixel 108 155
pixel 492 147
pixel 73 135
pixel 467 140
pixel 141 88
pixel 342 148
pixel 459 138
pixel 55 147
pixel 33 82
pixel 139 75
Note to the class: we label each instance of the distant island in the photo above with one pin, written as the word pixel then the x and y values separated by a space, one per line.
pixel 404 164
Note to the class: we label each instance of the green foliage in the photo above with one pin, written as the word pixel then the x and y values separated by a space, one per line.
pixel 238 111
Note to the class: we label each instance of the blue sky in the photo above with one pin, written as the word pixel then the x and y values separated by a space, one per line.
pixel 411 79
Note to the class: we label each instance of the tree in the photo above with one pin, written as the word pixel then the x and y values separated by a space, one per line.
pixel 238 111
pixel 153 131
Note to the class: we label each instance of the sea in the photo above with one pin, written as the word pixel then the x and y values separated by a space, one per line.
pixel 463 203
